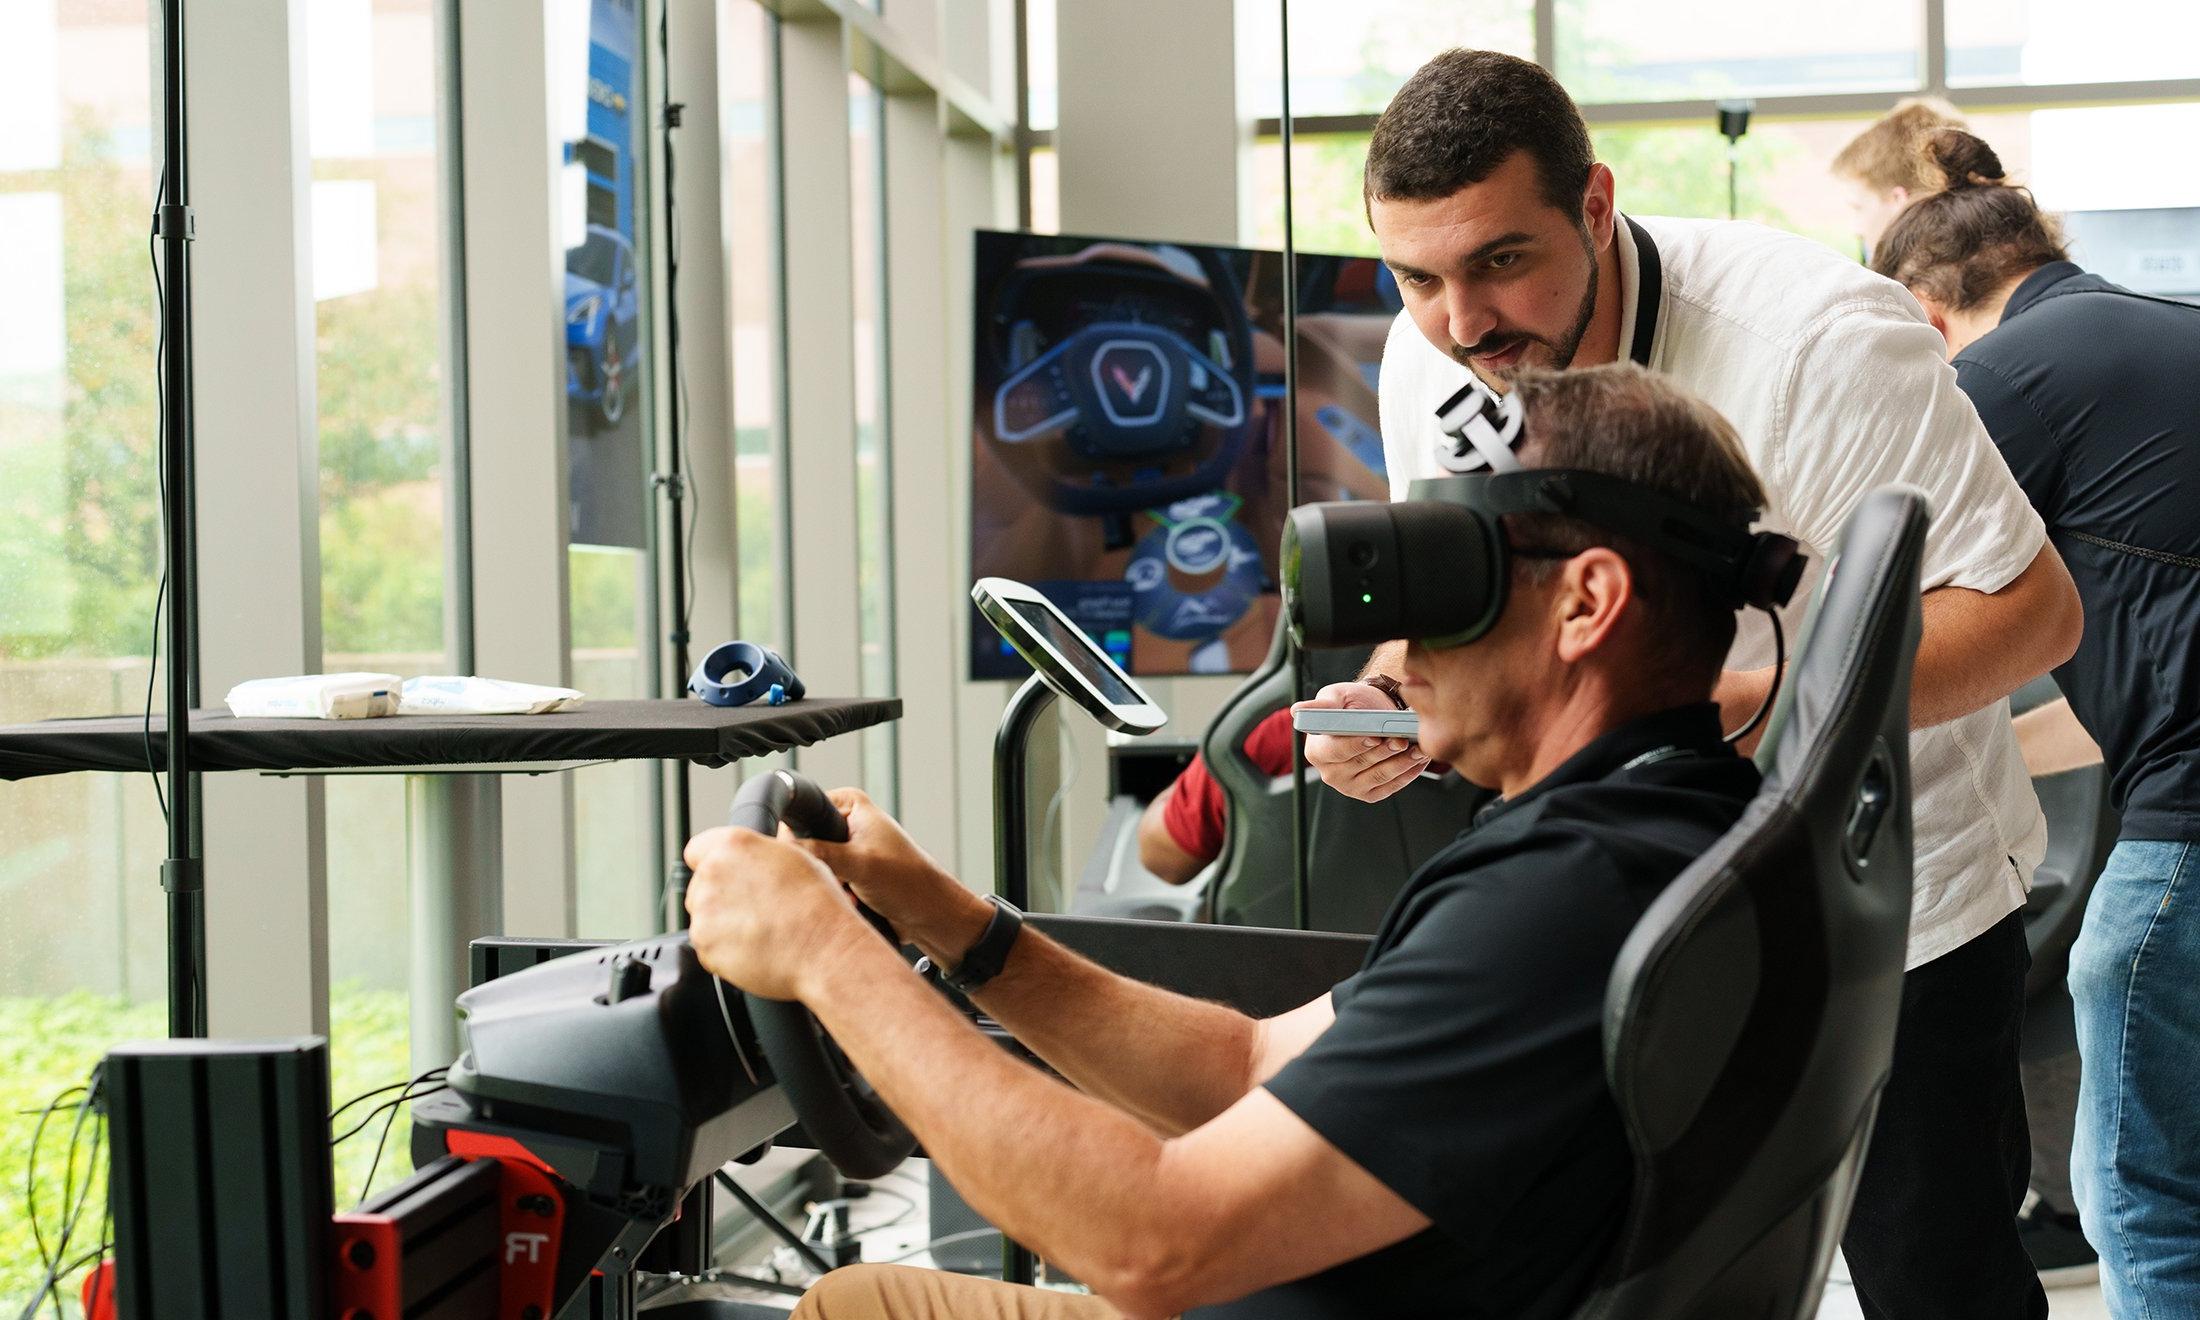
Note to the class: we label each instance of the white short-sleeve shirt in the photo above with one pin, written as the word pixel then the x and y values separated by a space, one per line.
pixel 1836 384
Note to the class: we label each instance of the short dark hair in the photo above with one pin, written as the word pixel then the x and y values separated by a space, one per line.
pixel 1962 243
pixel 1626 422
pixel 1461 115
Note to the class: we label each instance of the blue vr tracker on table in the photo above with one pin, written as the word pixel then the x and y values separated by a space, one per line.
pixel 738 673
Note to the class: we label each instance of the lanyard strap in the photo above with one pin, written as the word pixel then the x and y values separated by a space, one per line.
pixel 1649 292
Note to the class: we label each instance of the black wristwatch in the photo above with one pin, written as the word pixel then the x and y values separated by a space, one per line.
pixel 989 955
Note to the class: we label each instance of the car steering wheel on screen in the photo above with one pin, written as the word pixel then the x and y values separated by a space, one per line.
pixel 1127 377
pixel 838 1108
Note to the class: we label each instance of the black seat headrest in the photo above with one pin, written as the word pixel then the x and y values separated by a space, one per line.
pixel 1749 1020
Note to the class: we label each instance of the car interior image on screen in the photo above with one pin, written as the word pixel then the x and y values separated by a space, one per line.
pixel 1128 435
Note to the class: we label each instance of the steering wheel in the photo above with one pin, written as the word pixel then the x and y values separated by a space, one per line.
pixel 838 1109
pixel 1122 412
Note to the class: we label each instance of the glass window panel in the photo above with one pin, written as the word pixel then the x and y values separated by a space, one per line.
pixel 618 881
pixel 371 88
pixel 1781 177
pixel 1045 81
pixel 1629 50
pixel 1325 194
pixel 874 447
pixel 1046 191
pixel 82 922
pixel 2108 157
pixel 605 114
pixel 2053 41
pixel 2094 159
pixel 749 86
pixel 1350 59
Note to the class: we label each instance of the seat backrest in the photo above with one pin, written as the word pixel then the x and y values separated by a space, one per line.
pixel 1749 1022
pixel 1359 854
pixel 1250 882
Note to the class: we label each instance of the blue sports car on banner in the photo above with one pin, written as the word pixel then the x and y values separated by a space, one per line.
pixel 603 335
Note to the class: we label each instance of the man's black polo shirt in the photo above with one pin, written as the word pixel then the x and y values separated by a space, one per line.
pixel 1466 1066
pixel 2092 393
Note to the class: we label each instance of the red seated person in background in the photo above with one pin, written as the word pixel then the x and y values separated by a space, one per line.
pixel 1181 830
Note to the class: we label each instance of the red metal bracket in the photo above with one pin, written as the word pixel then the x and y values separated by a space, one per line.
pixel 367 1274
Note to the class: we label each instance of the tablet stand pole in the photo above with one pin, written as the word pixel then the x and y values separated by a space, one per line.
pixel 1012 855
pixel 182 874
pixel 1012 792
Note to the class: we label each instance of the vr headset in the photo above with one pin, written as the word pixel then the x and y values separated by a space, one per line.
pixel 1435 567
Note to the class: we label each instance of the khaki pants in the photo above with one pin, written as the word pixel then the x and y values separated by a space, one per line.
pixel 901 1292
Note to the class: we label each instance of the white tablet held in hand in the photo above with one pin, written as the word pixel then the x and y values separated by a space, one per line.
pixel 1365 723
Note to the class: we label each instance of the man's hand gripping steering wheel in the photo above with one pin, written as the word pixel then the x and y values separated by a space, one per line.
pixel 770 918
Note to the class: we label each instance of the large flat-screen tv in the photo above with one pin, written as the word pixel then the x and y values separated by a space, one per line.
pixel 1128 435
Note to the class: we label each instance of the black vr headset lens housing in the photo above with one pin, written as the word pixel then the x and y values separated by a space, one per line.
pixel 1361 572
pixel 1347 580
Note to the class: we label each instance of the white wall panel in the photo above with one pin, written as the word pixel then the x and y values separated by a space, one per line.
pixel 258 472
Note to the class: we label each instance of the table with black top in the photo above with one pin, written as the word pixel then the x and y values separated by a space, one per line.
pixel 453 802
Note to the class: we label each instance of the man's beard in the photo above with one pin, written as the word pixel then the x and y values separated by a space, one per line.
pixel 1562 348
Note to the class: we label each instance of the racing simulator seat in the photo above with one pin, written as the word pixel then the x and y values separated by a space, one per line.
pixel 1358 853
pixel 1749 1024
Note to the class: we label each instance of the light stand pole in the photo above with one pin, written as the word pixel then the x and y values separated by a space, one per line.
pixel 673 483
pixel 1301 894
pixel 1734 126
pixel 182 875
pixel 686 1246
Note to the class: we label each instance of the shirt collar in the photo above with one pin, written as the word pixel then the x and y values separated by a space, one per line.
pixel 1642 290
pixel 1630 285
pixel 2036 285
pixel 1691 728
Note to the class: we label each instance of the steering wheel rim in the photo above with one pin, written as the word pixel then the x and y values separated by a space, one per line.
pixel 838 1109
pixel 1120 414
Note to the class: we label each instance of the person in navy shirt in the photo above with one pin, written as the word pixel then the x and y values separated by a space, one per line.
pixel 2089 391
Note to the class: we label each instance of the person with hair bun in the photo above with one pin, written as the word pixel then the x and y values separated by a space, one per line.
pixel 1962 249
pixel 1884 167
pixel 2088 389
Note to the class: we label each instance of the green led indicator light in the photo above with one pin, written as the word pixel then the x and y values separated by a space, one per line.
pixel 1366 599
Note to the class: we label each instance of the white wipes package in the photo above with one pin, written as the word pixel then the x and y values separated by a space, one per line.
pixel 464 694
pixel 316 697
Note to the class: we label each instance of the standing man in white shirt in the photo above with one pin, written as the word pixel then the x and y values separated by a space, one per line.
pixel 1488 204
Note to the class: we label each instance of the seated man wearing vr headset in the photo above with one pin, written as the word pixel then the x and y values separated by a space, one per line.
pixel 1434 1136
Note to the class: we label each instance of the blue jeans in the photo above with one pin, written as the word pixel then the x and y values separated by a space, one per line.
pixel 2135 1162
